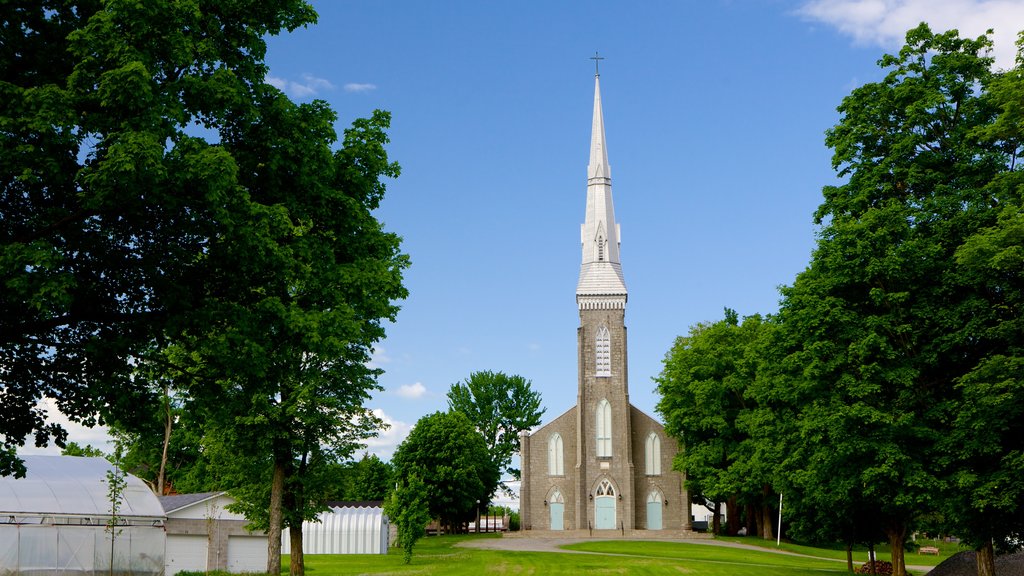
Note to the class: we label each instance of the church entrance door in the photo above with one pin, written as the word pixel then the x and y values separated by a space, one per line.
pixel 557 516
pixel 654 511
pixel 557 510
pixel 604 507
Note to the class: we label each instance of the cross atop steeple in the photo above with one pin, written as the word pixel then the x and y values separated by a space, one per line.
pixel 597 63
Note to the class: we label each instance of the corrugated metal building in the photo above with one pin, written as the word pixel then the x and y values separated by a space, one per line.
pixel 346 528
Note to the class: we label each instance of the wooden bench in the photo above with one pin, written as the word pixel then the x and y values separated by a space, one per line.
pixel 928 550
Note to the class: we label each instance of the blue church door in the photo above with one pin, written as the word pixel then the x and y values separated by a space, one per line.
pixel 654 506
pixel 557 516
pixel 604 506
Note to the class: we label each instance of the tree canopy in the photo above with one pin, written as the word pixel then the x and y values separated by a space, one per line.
pixel 174 222
pixel 109 203
pixel 447 454
pixel 500 406
pixel 889 388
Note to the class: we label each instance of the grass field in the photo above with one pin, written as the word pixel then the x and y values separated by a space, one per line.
pixel 860 554
pixel 438 555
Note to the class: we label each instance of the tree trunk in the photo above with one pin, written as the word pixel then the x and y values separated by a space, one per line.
pixel 751 521
pixel 986 560
pixel 849 557
pixel 767 530
pixel 716 521
pixel 871 558
pixel 274 530
pixel 897 533
pixel 167 440
pixel 732 516
pixel 297 566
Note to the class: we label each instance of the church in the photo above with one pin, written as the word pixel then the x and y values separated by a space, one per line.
pixel 603 464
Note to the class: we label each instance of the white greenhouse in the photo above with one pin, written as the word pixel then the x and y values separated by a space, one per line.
pixel 346 528
pixel 54 521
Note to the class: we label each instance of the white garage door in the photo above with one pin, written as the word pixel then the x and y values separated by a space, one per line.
pixel 185 552
pixel 247 553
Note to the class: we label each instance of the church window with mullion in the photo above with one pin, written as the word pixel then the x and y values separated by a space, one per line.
pixel 604 429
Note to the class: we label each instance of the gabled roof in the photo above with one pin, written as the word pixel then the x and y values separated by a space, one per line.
pixel 179 501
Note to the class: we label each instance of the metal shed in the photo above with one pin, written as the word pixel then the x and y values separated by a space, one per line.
pixel 203 535
pixel 345 528
pixel 55 521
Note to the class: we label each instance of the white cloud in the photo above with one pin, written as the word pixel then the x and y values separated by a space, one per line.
pixel 378 357
pixel 384 445
pixel 309 85
pixel 885 22
pixel 97 437
pixel 359 87
pixel 411 391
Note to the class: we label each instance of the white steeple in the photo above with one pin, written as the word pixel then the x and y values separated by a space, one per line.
pixel 600 284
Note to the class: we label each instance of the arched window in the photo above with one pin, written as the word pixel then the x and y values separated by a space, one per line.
pixel 653 455
pixel 604 429
pixel 603 345
pixel 605 489
pixel 555 455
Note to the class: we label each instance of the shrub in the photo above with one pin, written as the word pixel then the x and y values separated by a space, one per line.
pixel 881 567
pixel 513 522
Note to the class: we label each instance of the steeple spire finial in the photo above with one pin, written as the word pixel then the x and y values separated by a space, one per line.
pixel 597 63
pixel 601 284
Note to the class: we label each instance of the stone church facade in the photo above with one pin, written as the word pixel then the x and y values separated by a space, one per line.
pixel 603 464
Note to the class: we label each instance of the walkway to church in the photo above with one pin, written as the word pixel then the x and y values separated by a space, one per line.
pixel 546 544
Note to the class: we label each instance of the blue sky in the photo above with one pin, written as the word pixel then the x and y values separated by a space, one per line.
pixel 715 116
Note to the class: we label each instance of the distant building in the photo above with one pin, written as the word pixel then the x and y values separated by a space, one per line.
pixel 203 535
pixel 345 528
pixel 603 464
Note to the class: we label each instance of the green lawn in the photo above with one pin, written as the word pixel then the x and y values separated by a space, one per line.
pixel 859 554
pixel 438 555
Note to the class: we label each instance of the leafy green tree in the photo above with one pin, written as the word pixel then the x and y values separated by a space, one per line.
pixel 110 203
pixel 87 451
pixel 984 450
pixel 372 479
pixel 254 256
pixel 882 322
pixel 705 403
pixel 450 457
pixel 500 406
pixel 292 345
pixel 408 509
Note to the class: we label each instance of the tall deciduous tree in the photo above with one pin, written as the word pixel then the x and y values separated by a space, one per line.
pixel 451 459
pixel 255 255
pixel 881 322
pixel 500 406
pixel 109 205
pixel 985 450
pixel 706 405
